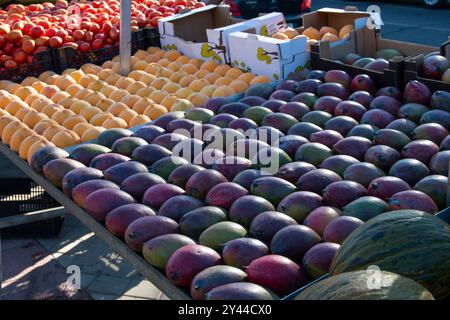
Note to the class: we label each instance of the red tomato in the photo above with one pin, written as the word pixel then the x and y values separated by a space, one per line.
pixel 55 42
pixel 28 46
pixel 199 4
pixel 8 48
pixel 51 32
pixel 42 41
pixel 78 35
pixel 2 42
pixel 154 21
pixel 10 64
pixel 14 36
pixel 89 36
pixel 84 47
pixel 114 34
pixel 4 29
pixel 20 57
pixel 97 44
pixel 36 32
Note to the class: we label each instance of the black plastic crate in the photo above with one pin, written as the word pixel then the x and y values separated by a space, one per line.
pixel 151 37
pixel 65 58
pixel 251 9
pixel 22 195
pixel 42 62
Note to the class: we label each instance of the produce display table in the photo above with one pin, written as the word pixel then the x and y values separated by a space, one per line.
pixel 153 275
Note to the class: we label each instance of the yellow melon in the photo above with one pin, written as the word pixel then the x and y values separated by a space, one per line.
pixel 118 95
pixel 22 112
pixel 209 90
pixel 67 102
pixel 39 86
pixel 233 73
pixel 147 78
pixel 247 77
pixel 52 130
pixel 169 100
pixel 260 79
pixel 83 93
pixel 223 91
pixel 239 85
pixel 181 105
pixel 222 69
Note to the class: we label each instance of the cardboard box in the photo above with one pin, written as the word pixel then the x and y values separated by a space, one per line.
pixel 203 33
pixel 278 58
pixel 267 56
pixel 413 68
pixel 366 42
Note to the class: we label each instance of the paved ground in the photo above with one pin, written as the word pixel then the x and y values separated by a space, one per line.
pixel 36 268
pixel 403 21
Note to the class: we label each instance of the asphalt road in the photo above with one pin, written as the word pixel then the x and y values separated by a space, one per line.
pixel 403 21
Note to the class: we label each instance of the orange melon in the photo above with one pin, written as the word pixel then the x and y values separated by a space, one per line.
pixel 39 86
pixel 18 137
pixel 198 99
pixel 135 87
pixel 139 120
pixel 182 59
pixel 91 133
pixel 42 125
pixel 50 90
pixel 212 77
pixel 52 130
pixel 260 79
pixel 114 122
pixel 117 107
pixel 27 143
pixel 239 85
pixel 83 93
pixel 198 84
pixel 24 92
pixel 22 112
pixel 89 112
pixel 35 147
pixel 44 75
pixel 14 106
pixel 325 29
pixel 142 104
pixel 311 33
pixel 28 81
pixel 10 129
pixel 154 111
pixel 222 69
pixel 186 80
pixel 81 128
pixel 4 121
pixel 99 118
pixel 69 123
pixel 171 87
pixel 177 76
pixel 127 115
pixel 79 105
pixel 147 78
pixel 67 102
pixel 183 93
pixel 34 117
pixel 130 100
pixel 168 101
pixel 65 138
pixel 223 91
pixel 188 68
pixel 209 90
pixel 233 73
pixel 209 65
pixel 58 96
pixel 118 95
pixel 61 115
pixel 157 95
pixel 158 83
pixel 51 109
pixel 65 81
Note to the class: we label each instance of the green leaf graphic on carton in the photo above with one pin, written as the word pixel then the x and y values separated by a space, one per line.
pixel 264 31
pixel 276 76
pixel 266 56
